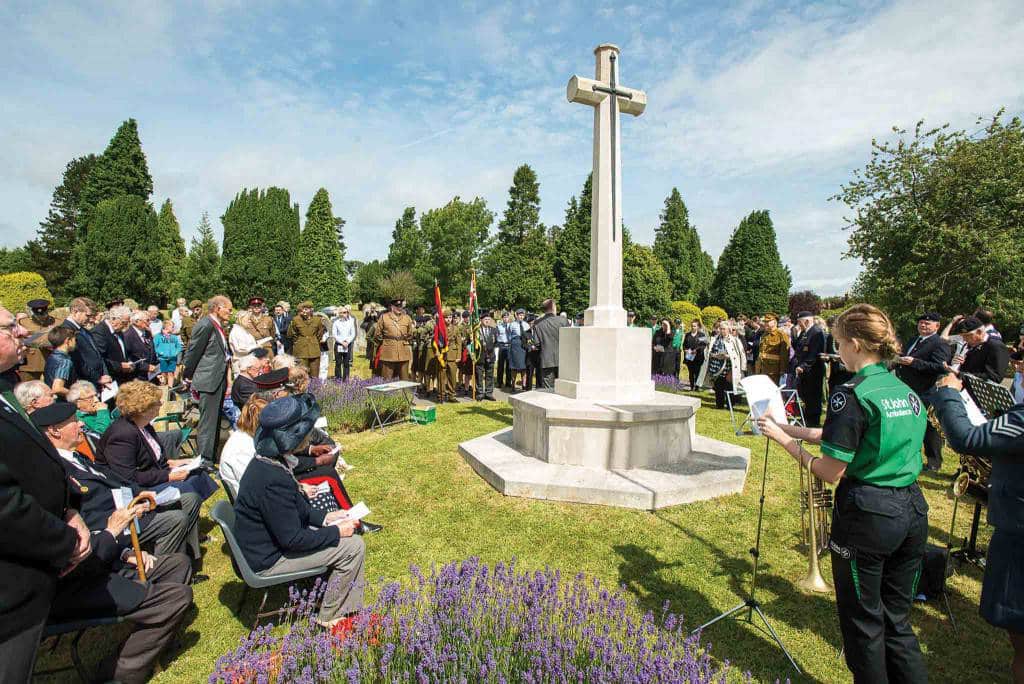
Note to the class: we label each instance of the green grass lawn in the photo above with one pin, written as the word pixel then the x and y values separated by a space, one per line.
pixel 436 509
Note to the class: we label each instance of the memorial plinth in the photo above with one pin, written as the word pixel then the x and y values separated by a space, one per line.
pixel 604 435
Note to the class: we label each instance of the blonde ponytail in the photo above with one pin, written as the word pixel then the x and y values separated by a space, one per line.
pixel 871 327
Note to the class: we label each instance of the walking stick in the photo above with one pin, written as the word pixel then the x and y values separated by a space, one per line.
pixel 147 498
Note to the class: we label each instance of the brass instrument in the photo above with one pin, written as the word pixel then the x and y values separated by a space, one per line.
pixel 976 468
pixel 822 496
pixel 814 497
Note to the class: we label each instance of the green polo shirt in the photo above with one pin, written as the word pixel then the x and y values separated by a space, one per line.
pixel 876 424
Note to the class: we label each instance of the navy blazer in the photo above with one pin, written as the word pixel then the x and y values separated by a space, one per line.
pixel 107 342
pixel 273 517
pixel 129 455
pixel 88 361
pixel 35 542
pixel 930 357
pixel 806 350
pixel 138 345
pixel 1001 440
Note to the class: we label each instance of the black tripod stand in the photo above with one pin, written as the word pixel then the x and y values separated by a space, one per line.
pixel 751 604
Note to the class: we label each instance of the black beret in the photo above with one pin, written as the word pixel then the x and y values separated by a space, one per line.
pixel 272 380
pixel 117 301
pixel 260 353
pixel 804 314
pixel 930 316
pixel 971 323
pixel 54 414
pixel 39 304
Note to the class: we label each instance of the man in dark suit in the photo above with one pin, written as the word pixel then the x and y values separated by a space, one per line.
pixel 545 332
pixel 923 362
pixel 485 358
pixel 206 367
pixel 138 345
pixel 41 535
pixel 89 363
pixel 986 355
pixel 281 322
pixel 808 367
pixel 109 338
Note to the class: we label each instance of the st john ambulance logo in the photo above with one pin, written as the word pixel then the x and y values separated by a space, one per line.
pixel 915 403
pixel 838 402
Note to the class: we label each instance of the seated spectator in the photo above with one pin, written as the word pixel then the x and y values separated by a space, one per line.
pixel 250 367
pixel 33 395
pixel 107 584
pixel 240 448
pixel 168 347
pixel 167 529
pixel 284 361
pixel 59 371
pixel 91 411
pixel 141 455
pixel 277 529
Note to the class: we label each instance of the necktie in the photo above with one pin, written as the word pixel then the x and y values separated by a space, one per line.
pixel 913 346
pixel 9 397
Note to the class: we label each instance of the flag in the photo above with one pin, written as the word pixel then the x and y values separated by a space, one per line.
pixel 473 348
pixel 440 329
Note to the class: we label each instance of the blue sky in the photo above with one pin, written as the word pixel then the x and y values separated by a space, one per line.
pixel 751 105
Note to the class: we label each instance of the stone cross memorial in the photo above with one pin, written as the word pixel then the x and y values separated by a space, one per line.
pixel 604 435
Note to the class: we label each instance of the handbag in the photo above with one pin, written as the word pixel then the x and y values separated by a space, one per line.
pixel 527 341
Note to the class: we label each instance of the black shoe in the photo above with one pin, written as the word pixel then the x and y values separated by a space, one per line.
pixel 368 527
pixel 198 579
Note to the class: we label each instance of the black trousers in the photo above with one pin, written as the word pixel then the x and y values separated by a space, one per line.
pixel 504 371
pixel 342 363
pixel 533 370
pixel 809 388
pixel 485 379
pixel 933 446
pixel 208 429
pixel 693 370
pixel 877 544
pixel 722 385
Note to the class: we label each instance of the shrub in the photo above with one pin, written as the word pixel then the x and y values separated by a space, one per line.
pixel 687 312
pixel 712 314
pixel 469 622
pixel 345 405
pixel 18 289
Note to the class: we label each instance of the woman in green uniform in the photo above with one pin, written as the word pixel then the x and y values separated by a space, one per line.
pixel 871 445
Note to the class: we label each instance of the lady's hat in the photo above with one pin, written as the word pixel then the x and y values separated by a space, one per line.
pixel 284 423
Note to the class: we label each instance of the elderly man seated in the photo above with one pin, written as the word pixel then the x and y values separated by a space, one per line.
pixel 33 395
pixel 250 367
pixel 139 454
pixel 106 582
pixel 93 413
pixel 277 529
pixel 170 528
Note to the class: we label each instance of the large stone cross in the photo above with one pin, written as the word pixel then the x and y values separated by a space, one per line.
pixel 608 98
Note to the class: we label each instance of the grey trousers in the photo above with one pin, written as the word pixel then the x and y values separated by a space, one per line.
pixel 174 528
pixel 344 594
pixel 18 654
pixel 208 429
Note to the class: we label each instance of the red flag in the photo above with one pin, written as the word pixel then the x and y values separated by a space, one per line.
pixel 440 329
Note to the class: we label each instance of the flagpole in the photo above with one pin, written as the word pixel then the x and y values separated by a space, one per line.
pixel 472 365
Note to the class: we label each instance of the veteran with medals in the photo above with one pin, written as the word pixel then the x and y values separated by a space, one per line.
pixel 393 337
pixel 773 354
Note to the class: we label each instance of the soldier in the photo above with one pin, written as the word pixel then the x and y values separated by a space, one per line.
pixel 393 337
pixel 260 325
pixel 446 376
pixel 305 332
pixel 188 321
pixel 38 348
pixel 465 362
pixel 773 354
pixel 426 353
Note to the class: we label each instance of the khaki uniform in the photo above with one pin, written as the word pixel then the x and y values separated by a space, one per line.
pixel 393 336
pixel 446 376
pixel 259 328
pixel 305 334
pixel 35 355
pixel 422 338
pixel 185 332
pixel 773 355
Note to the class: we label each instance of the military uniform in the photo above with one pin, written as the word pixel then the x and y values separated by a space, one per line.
pixel 393 337
pixel 261 327
pixel 446 375
pixel 875 424
pixel 422 338
pixel 773 355
pixel 37 351
pixel 305 334
pixel 188 321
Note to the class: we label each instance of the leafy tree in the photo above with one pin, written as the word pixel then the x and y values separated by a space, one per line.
pixel 121 254
pixel 200 278
pixel 261 239
pixel 455 235
pixel 572 252
pixel 15 259
pixel 351 266
pixel 408 248
pixel 645 286
pixel 321 263
pixel 805 300
pixel 366 282
pixel 172 246
pixel 400 285
pixel 52 249
pixel 751 277
pixel 938 220
pixel 517 268
pixel 120 170
pixel 677 246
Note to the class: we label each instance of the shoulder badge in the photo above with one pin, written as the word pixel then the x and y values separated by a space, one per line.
pixel 837 402
pixel 915 403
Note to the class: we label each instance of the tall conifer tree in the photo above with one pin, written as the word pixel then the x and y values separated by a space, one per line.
pixel 321 262
pixel 677 246
pixel 121 170
pixel 572 252
pixel 201 275
pixel 54 245
pixel 172 246
pixel 408 248
pixel 751 278
pixel 261 238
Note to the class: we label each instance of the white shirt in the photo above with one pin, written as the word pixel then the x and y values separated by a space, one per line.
pixel 156 326
pixel 238 452
pixel 70 458
pixel 241 341
pixel 344 331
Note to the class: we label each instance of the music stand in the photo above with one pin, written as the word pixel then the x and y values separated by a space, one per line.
pixel 751 604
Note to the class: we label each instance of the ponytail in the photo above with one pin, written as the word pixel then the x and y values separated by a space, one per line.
pixel 871 327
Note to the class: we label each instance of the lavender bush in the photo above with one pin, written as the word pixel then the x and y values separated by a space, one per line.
pixel 345 406
pixel 669 383
pixel 468 622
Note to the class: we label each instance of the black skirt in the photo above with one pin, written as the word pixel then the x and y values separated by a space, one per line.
pixel 1002 589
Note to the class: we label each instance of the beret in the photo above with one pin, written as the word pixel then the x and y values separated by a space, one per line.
pixel 54 414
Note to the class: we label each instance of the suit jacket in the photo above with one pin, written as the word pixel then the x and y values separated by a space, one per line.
pixel 807 348
pixel 989 359
pixel 930 355
pixel 109 345
pixel 139 347
pixel 35 542
pixel 129 456
pixel 88 361
pixel 545 331
pixel 206 359
pixel 95 482
pixel 488 340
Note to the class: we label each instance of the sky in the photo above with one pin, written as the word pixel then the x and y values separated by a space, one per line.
pixel 751 104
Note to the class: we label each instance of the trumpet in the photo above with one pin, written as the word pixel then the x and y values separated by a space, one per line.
pixel 817 497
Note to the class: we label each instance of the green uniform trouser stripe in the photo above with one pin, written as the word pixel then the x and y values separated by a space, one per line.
pixel 856 577
pixel 917 578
